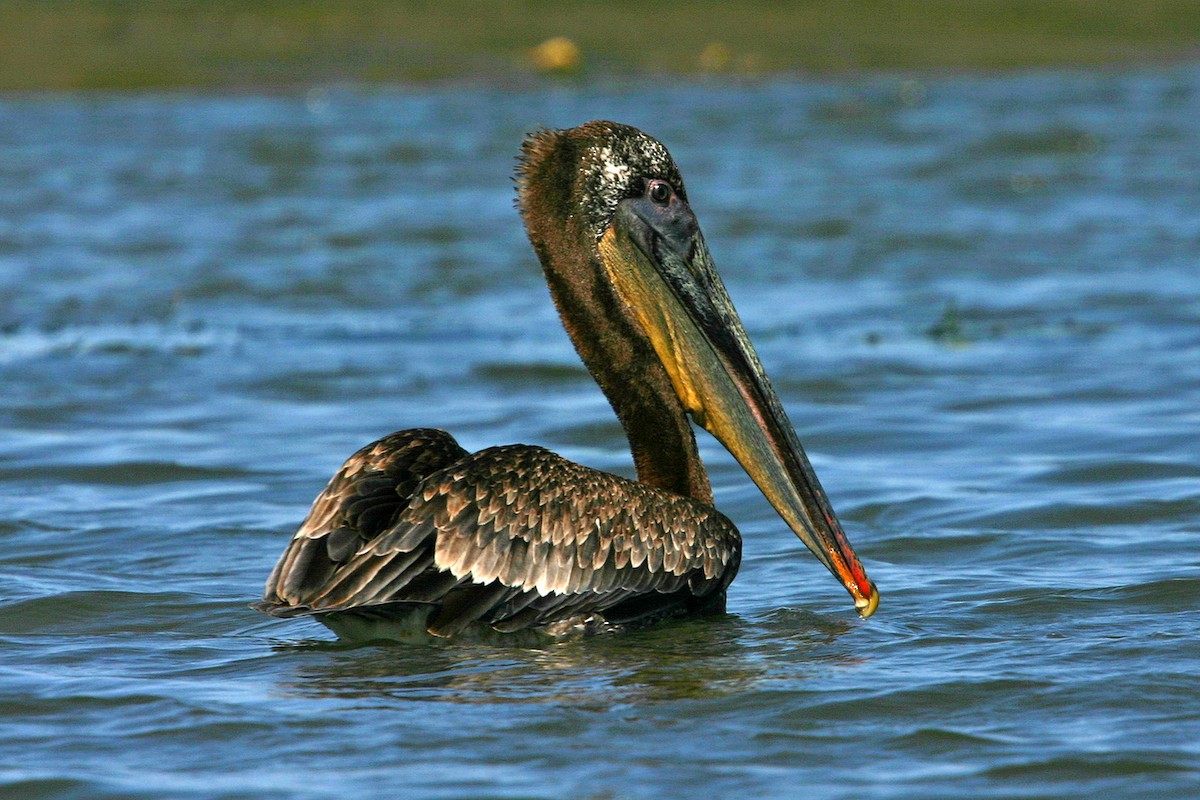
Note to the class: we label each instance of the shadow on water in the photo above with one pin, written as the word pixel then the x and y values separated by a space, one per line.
pixel 700 658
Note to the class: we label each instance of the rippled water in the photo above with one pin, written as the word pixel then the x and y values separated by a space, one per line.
pixel 978 297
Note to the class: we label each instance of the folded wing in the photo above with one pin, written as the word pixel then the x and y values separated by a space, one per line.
pixel 513 536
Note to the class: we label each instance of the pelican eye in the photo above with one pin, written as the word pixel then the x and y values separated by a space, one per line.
pixel 659 192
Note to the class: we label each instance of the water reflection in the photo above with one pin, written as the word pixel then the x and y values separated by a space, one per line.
pixel 699 658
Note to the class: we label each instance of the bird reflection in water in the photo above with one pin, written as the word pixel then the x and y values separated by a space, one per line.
pixel 688 658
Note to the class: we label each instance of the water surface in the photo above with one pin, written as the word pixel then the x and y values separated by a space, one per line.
pixel 977 297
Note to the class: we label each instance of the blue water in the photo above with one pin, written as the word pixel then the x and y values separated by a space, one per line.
pixel 979 298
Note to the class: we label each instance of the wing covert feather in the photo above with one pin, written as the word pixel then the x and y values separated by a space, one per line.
pixel 539 538
pixel 533 520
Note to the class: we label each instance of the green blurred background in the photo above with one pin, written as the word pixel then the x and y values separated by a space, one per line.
pixel 123 44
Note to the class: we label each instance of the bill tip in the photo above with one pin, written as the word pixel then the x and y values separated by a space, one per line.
pixel 866 605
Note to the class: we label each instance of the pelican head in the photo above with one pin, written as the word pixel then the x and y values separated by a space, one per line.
pixel 606 209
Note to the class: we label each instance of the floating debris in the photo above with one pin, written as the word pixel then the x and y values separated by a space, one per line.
pixel 957 327
pixel 949 327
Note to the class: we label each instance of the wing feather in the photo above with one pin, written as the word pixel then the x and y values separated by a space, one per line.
pixel 511 536
pixel 362 499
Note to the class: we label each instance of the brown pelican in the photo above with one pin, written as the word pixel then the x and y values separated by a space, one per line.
pixel 415 527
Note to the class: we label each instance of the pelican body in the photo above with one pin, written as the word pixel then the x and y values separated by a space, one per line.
pixel 413 528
